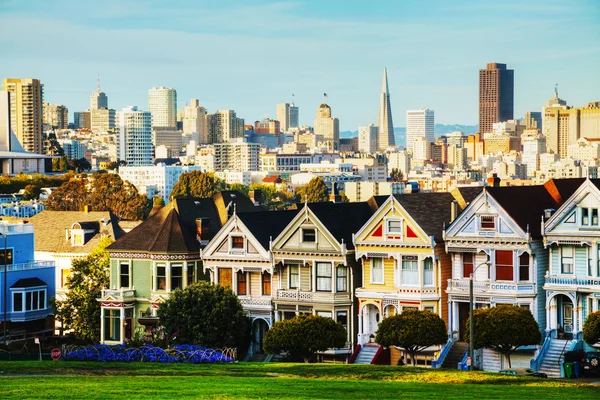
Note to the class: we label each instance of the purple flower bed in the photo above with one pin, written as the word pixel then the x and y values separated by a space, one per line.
pixel 148 353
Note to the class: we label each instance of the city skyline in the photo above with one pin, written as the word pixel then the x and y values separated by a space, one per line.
pixel 431 52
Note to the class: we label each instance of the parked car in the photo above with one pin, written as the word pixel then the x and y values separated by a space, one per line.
pixel 591 363
pixel 523 371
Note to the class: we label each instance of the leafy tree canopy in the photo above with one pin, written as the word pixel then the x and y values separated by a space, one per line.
pixel 197 184
pixel 591 328
pixel 304 336
pixel 80 311
pixel 396 175
pixel 504 328
pixel 205 314
pixel 314 191
pixel 413 330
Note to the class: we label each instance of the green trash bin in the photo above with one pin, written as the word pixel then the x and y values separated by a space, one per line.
pixel 568 370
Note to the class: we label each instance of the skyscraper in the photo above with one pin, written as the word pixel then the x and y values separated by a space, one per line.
pixel 419 124
pixel 56 115
pixel 98 99
pixel 26 111
pixel 496 95
pixel 367 139
pixel 134 136
pixel 162 104
pixel 385 123
pixel 223 126
pixel 193 118
pixel 327 127
pixel 287 115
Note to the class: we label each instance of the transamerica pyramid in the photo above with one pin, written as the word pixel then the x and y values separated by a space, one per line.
pixel 385 138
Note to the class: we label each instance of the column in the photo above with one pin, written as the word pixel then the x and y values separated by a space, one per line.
pixel 333 278
pixel 122 324
pixel 168 276
pixel 101 325
pixel 234 281
pixel 548 322
pixel 185 274
pixel 153 276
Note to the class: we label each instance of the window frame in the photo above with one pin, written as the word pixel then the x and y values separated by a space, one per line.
pixel 344 277
pixel 296 274
pixel 428 262
pixel 563 258
pixel 241 283
pixel 410 272
pixel 491 221
pixel 320 279
pixel 466 275
pixel 372 268
pixel 121 265
pixel 39 295
pixel 521 267
pixel 509 267
pixel 396 231
pixel 236 241
pixel 264 282
pixel 173 276
pixel 314 235
pixel 158 277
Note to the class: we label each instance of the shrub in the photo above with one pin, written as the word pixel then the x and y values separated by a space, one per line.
pixel 591 328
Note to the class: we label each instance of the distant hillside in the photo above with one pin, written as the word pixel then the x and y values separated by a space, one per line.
pixel 400 132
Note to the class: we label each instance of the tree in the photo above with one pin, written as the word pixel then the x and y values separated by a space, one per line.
pixel 158 201
pixel 31 192
pixel 70 196
pixel 413 330
pixel 206 314
pixel 197 184
pixel 240 188
pixel 314 191
pixel 504 328
pixel 79 164
pixel 63 164
pixel 304 336
pixel 591 328
pixel 80 311
pixel 396 175
pixel 345 198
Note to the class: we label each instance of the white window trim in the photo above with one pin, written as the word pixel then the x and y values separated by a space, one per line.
pixel 128 272
pixel 386 222
pixel 302 229
pixel 237 250
pixel 494 229
pixel 382 271
pixel 24 292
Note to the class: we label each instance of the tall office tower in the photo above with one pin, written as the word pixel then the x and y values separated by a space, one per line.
pixel 385 123
pixel 81 120
pixel 193 118
pixel 223 126
pixel 172 140
pixel 327 127
pixel 532 119
pixel 102 120
pixel 496 95
pixel 367 139
pixel 162 104
pixel 288 116
pixel 236 156
pixel 26 111
pixel 421 149
pixel 534 145
pixel 134 136
pixel 419 124
pixel 56 115
pixel 98 99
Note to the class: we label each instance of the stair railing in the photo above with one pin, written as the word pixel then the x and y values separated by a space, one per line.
pixel 560 358
pixel 462 365
pixel 536 363
pixel 354 354
pixel 437 363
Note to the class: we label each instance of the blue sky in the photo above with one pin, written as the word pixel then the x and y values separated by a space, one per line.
pixel 249 55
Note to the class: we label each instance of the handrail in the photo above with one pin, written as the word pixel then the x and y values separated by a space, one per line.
pixel 536 363
pixel 442 356
pixel 462 365
pixel 377 353
pixel 354 354
pixel 563 351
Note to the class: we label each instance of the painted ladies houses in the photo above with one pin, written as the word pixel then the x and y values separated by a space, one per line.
pixel 159 256
pixel 315 267
pixel 403 256
pixel 572 284
pixel 498 239
pixel 239 257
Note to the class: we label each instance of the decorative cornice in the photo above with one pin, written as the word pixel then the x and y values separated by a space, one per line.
pixel 151 256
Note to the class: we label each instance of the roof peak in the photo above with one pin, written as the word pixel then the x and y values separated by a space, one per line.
pixel 384 83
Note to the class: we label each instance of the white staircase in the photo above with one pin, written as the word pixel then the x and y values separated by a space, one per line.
pixel 366 354
pixel 550 363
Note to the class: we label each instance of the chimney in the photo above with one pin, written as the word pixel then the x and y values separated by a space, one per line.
pixel 335 196
pixel 257 197
pixel 548 212
pixel 202 230
pixel 493 180
pixel 87 209
pixel 453 210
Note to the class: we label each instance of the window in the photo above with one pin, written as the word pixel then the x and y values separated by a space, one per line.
pixel 112 325
pixel 389 311
pixel 467 265
pixel 410 273
pixel 524 267
pixel 161 277
pixel 566 258
pixel 309 235
pixel 430 309
pixel 225 277
pixel 17 302
pixel 9 257
pixel 78 239
pixel 326 314
pixel 124 274
pixel 241 283
pixel 64 276
pixel 488 222
pixel 190 272
pixel 428 276
pixel 377 270
pixel 394 226
pixel 324 277
pixel 341 279
pixel 266 284
pixel 176 276
pixel 595 216
pixel 342 318
pixel 294 269
pixel 237 242
pixel 585 219
pixel 504 265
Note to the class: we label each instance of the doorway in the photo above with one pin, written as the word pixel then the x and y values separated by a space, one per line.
pixel 259 329
pixel 463 316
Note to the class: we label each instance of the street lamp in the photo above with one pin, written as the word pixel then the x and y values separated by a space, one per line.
pixel 488 263
pixel 4 301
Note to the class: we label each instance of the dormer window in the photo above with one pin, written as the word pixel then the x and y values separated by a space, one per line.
pixel 585 216
pixel 237 242
pixel 394 226
pixel 77 237
pixel 309 236
pixel 488 222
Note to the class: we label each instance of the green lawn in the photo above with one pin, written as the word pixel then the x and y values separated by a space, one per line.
pixel 270 380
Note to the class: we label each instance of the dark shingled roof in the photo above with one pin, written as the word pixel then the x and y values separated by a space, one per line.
pixel 342 219
pixel 430 210
pixel 28 282
pixel 267 225
pixel 173 228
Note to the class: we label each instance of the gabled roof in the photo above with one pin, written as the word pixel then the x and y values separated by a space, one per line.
pixel 28 282
pixel 431 211
pixel 50 226
pixel 267 225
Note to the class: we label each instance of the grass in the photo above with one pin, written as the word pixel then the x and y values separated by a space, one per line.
pixel 269 380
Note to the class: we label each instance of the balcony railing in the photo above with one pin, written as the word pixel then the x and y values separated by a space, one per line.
pixel 122 294
pixel 571 281
pixel 255 302
pixel 29 265
pixel 297 295
pixel 496 287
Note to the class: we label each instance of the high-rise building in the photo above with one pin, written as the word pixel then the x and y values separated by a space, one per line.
pixel 496 95
pixel 421 149
pixel 171 139
pixel 193 118
pixel 98 99
pixel 288 116
pixel 56 115
pixel 367 139
pixel 81 120
pixel 399 160
pixel 162 104
pixel 385 123
pixel 327 127
pixel 419 124
pixel 532 119
pixel 267 125
pixel 236 156
pixel 102 120
pixel 223 126
pixel 26 111
pixel 72 148
pixel 134 136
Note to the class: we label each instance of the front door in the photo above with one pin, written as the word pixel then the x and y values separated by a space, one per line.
pixel 128 328
pixel 568 317
pixel 259 328
pixel 463 316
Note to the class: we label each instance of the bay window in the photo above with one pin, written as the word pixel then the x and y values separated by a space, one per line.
pixel 161 277
pixel 341 275
pixel 266 284
pixel 410 270
pixel 428 276
pixel 377 270
pixel 294 276
pixel 524 267
pixel 324 277
pixel 566 259
pixel 112 324
pixel 504 265
pixel 241 283
pixel 467 259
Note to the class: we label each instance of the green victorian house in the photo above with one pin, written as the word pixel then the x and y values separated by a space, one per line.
pixel 159 256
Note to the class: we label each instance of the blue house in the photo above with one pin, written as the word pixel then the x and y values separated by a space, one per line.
pixel 26 286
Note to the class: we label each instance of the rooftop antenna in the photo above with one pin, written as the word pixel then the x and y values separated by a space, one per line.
pixel 556 90
pixel 305 198
pixel 98 81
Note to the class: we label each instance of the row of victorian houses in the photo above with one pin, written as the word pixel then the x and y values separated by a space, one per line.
pixel 532 246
